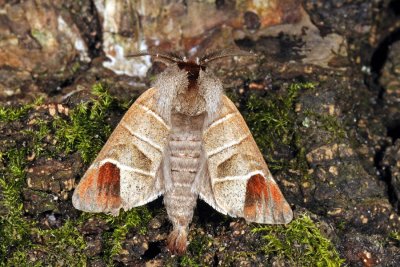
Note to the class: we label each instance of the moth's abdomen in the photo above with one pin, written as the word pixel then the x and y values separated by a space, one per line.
pixel 184 161
pixel 185 150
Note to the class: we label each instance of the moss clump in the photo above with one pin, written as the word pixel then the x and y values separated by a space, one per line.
pixel 272 121
pixel 395 236
pixel 85 130
pixel 9 114
pixel 196 248
pixel 272 118
pixel 326 122
pixel 300 242
pixel 38 137
pixel 14 229
pixel 63 246
pixel 120 226
pixel 188 261
pixel 12 114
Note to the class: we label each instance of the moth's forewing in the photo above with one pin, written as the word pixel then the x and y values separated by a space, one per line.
pixel 124 174
pixel 241 183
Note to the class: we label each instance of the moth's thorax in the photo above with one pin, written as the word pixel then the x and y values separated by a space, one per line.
pixel 189 102
pixel 190 98
pixel 187 88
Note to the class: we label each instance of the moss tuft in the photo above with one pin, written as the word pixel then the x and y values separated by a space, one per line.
pixel 14 229
pixel 196 248
pixel 38 136
pixel 64 245
pixel 85 130
pixel 300 242
pixel 328 123
pixel 121 225
pixel 395 236
pixel 189 261
pixel 22 243
pixel 9 114
pixel 272 121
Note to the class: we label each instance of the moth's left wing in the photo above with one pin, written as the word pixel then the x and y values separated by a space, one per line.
pixel 237 181
pixel 127 172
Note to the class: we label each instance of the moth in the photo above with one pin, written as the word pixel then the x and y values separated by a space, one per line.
pixel 183 139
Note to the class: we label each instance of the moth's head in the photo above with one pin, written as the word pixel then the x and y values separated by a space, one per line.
pixel 185 86
pixel 193 65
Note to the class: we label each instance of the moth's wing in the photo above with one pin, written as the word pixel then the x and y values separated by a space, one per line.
pixel 240 183
pixel 127 172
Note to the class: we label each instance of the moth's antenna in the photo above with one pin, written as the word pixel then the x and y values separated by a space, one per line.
pixel 218 54
pixel 167 59
pixel 211 54
pixel 175 55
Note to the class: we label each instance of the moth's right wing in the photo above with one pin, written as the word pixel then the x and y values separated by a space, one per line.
pixel 237 180
pixel 127 172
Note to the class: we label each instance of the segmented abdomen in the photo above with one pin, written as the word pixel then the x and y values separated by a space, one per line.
pixel 184 161
pixel 185 149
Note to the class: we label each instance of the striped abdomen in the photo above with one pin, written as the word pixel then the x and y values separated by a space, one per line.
pixel 185 148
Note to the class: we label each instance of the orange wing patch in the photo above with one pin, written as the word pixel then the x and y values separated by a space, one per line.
pixel 109 186
pixel 256 195
pixel 264 202
pixel 99 191
pixel 86 184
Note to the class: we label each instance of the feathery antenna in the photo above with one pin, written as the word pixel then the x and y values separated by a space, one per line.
pixel 221 53
pixel 172 57
pixel 166 58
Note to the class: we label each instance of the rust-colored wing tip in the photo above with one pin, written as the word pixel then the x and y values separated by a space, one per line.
pixel 99 190
pixel 264 202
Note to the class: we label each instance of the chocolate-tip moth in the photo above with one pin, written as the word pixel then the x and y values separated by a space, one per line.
pixel 183 139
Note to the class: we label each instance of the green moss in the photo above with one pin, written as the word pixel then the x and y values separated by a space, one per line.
pixel 328 123
pixel 76 67
pixel 20 258
pixel 14 229
pixel 8 114
pixel 12 114
pixel 85 130
pixel 196 249
pixel 38 135
pixel 42 36
pixel 127 220
pixel 63 246
pixel 272 120
pixel 300 242
pixel 189 261
pixel 135 219
pixel 395 236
